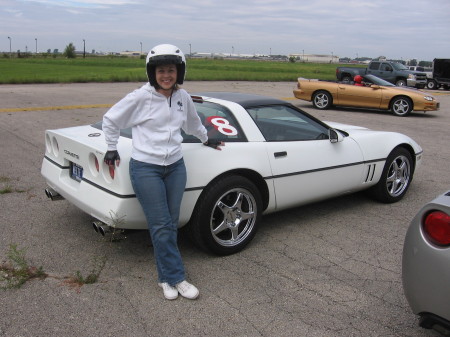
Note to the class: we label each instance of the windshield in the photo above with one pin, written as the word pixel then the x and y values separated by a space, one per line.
pixel 399 66
pixel 376 80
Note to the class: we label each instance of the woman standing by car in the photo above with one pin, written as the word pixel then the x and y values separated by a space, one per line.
pixel 157 112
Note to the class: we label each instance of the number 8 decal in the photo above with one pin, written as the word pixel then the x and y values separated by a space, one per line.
pixel 222 125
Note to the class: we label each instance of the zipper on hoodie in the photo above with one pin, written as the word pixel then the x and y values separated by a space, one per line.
pixel 170 131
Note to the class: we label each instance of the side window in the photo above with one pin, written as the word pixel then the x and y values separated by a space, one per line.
pixel 374 65
pixel 219 122
pixel 284 123
pixel 386 67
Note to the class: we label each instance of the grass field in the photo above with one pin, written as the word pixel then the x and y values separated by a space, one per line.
pixel 121 69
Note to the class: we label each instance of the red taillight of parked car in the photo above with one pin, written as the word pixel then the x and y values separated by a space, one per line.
pixel 437 228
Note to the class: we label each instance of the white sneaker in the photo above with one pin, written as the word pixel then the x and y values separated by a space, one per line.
pixel 170 293
pixel 187 290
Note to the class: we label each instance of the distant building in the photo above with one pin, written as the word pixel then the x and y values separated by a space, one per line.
pixel 315 58
pixel 130 53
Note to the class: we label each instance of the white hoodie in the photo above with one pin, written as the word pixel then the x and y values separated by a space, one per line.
pixel 156 126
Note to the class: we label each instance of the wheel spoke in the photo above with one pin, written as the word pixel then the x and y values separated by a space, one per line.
pixel 240 212
pixel 234 233
pixel 247 215
pixel 393 187
pixel 222 227
pixel 391 178
pixel 402 168
pixel 238 203
pixel 224 208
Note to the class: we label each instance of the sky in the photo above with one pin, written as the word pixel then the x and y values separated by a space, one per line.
pixel 396 29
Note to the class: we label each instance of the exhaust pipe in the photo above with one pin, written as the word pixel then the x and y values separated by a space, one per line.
pixel 95 225
pixel 101 228
pixel 52 194
pixel 113 234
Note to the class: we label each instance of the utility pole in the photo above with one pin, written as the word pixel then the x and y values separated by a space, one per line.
pixel 10 53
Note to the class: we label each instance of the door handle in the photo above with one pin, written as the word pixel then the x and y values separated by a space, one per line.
pixel 280 154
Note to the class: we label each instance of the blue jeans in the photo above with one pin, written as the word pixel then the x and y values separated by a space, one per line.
pixel 159 190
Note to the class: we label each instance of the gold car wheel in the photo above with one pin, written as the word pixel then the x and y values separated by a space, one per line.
pixel 322 100
pixel 401 106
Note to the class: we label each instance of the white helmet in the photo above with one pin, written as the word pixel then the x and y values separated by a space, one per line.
pixel 165 54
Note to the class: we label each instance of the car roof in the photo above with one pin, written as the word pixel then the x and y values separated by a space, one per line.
pixel 245 100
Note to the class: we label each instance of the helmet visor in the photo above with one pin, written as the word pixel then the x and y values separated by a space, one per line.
pixel 164 59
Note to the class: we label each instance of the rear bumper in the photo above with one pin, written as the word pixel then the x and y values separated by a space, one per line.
pixel 104 205
pixel 94 201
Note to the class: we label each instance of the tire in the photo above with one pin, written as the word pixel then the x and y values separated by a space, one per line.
pixel 446 87
pixel 401 82
pixel 322 100
pixel 401 106
pixel 226 216
pixel 347 79
pixel 431 85
pixel 396 177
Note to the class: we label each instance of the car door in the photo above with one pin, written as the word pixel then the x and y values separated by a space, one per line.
pixel 306 165
pixel 358 96
pixel 384 71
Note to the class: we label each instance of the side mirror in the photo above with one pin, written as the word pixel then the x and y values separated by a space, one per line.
pixel 335 136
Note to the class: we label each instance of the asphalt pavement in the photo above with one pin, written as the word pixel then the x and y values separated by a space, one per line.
pixel 328 269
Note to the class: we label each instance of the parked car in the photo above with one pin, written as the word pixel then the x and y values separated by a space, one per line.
pixel 393 72
pixel 426 70
pixel 426 264
pixel 276 156
pixel 375 94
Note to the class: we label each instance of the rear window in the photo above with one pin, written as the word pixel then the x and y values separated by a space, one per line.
pixel 219 122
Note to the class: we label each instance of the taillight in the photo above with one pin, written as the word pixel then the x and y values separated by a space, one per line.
pixel 436 225
pixel 111 171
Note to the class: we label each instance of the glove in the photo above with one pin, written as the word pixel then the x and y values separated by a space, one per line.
pixel 214 143
pixel 111 157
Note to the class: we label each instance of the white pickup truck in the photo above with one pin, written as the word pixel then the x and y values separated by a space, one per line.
pixel 427 70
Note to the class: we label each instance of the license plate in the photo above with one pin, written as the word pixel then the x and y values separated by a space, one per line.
pixel 76 172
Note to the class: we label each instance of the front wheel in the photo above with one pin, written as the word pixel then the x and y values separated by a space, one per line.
pixel 322 100
pixel 431 85
pixel 396 177
pixel 401 106
pixel 226 216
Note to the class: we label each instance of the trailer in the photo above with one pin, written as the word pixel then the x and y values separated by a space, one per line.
pixel 441 74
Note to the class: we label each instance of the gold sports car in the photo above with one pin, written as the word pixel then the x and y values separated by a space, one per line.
pixel 373 92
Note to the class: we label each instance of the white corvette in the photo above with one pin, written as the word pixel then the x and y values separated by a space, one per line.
pixel 276 156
